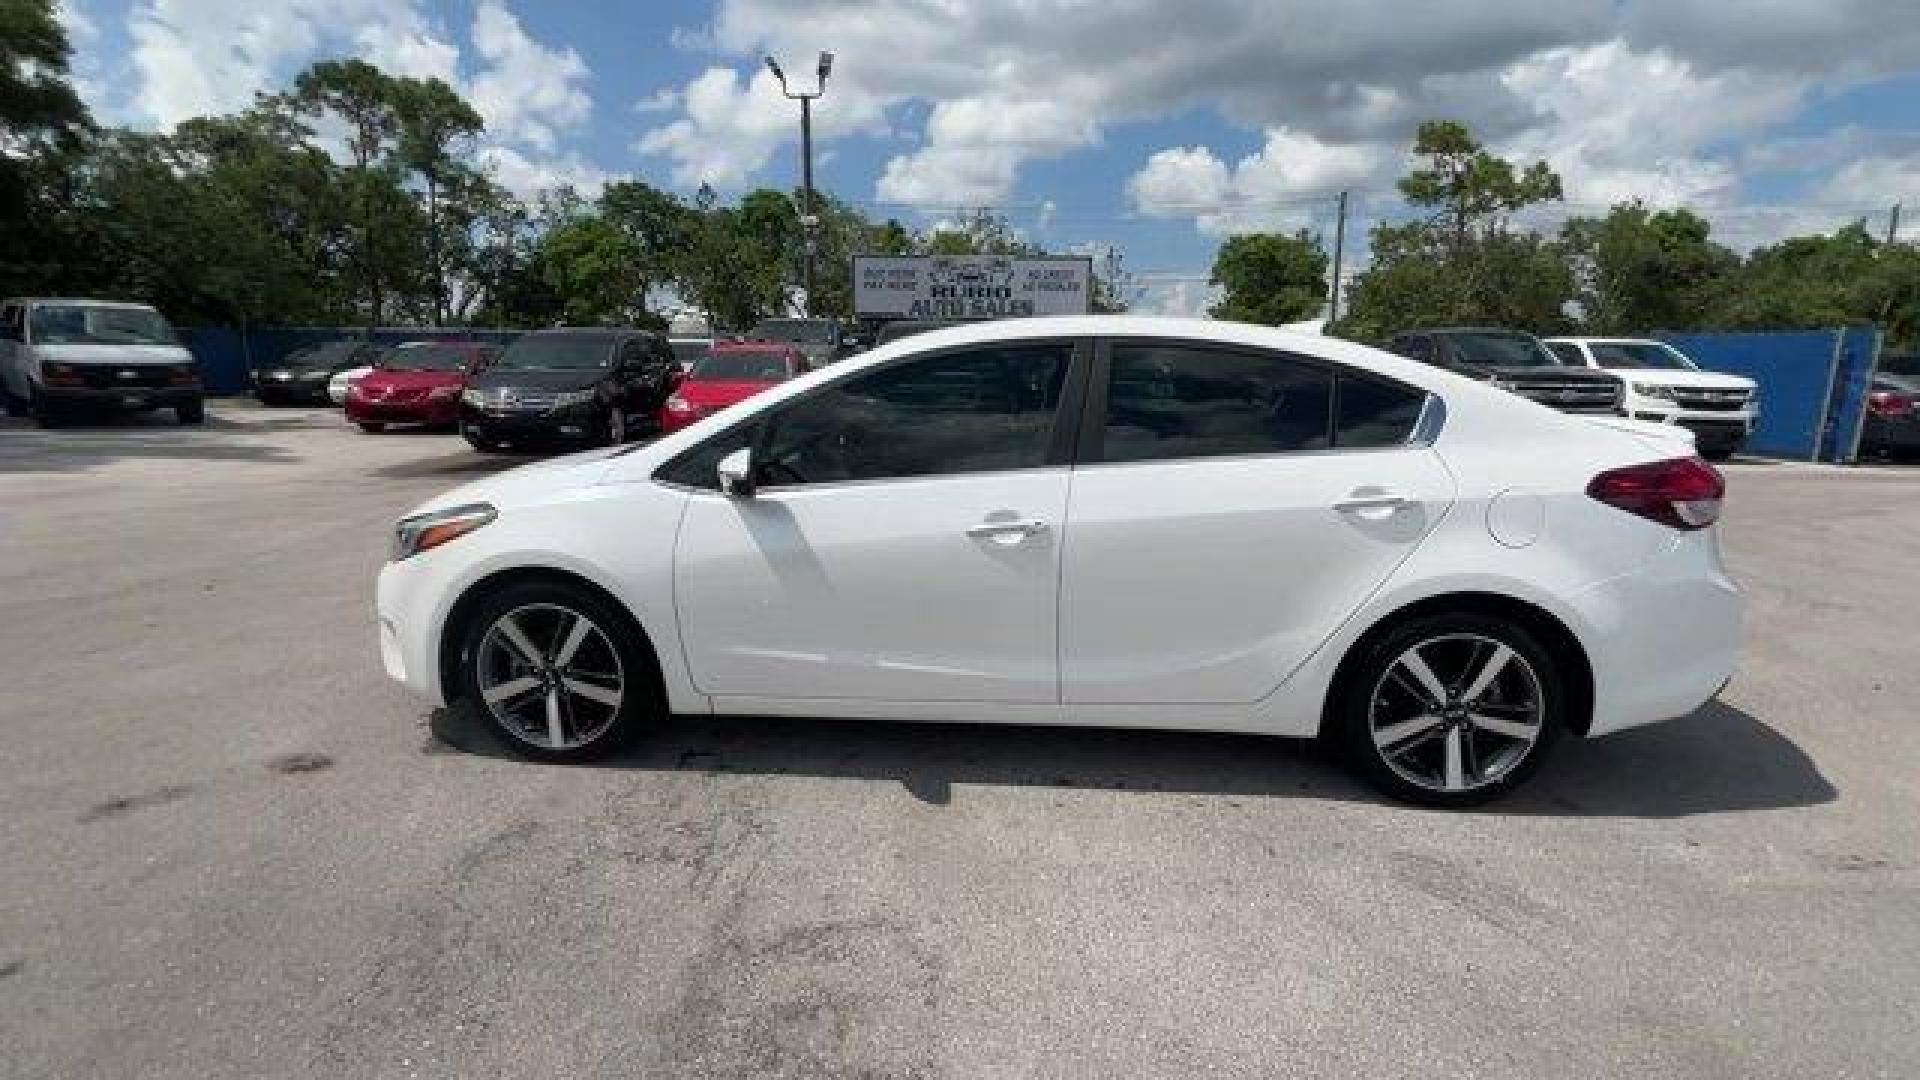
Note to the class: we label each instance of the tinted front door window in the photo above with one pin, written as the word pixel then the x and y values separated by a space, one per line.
pixel 977 410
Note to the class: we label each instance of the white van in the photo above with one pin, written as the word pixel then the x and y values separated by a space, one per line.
pixel 63 356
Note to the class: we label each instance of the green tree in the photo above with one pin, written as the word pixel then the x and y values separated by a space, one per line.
pixel 1640 271
pixel 1463 262
pixel 1270 278
pixel 43 126
pixel 1822 281
pixel 431 123
pixel 366 100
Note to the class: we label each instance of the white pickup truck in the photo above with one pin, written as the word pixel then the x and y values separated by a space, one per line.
pixel 1663 386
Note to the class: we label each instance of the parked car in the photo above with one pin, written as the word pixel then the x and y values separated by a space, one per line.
pixel 733 372
pixel 63 356
pixel 303 375
pixel 825 341
pixel 896 329
pixel 1515 362
pixel 688 351
pixel 1663 386
pixel 1892 426
pixel 342 382
pixel 1107 521
pixel 416 383
pixel 583 386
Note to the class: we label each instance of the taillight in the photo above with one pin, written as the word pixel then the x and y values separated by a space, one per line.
pixel 183 375
pixel 1890 403
pixel 1683 493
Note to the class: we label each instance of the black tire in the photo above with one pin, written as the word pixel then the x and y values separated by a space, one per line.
pixel 44 415
pixel 613 428
pixel 1718 451
pixel 1451 636
pixel 373 429
pixel 642 702
pixel 193 413
pixel 15 406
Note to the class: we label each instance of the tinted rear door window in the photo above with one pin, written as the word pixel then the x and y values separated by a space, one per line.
pixel 1373 412
pixel 1176 400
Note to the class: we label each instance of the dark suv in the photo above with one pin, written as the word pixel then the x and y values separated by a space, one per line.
pixel 587 386
pixel 1515 362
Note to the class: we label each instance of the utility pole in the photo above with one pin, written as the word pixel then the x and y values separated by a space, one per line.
pixel 1893 224
pixel 809 213
pixel 1339 249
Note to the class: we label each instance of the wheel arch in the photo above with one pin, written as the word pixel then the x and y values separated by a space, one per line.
pixel 453 629
pixel 1576 668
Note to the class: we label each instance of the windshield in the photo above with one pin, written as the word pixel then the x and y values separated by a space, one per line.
pixel 319 356
pixel 423 358
pixel 55 324
pixel 539 352
pixel 1501 350
pixel 689 353
pixel 757 366
pixel 813 330
pixel 1638 354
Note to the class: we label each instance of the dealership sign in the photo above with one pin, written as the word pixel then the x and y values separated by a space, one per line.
pixel 969 287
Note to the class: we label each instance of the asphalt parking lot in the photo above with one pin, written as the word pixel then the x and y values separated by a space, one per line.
pixel 232 849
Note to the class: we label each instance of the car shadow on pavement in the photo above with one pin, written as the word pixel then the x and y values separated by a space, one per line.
pixel 463 463
pixel 1718 760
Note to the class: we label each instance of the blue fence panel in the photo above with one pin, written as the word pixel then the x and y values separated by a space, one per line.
pixel 1859 349
pixel 1792 371
pixel 227 355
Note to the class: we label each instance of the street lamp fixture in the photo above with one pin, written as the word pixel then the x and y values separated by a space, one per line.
pixel 809 212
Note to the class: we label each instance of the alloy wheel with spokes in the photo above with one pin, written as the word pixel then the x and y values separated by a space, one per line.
pixel 1453 711
pixel 550 676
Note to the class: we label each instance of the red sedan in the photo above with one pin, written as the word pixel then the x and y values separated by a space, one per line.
pixel 416 383
pixel 731 372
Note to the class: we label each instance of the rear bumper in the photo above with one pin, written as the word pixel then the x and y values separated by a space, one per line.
pixel 1664 639
pixel 129 397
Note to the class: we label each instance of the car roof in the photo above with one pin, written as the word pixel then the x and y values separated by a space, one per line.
pixel 590 331
pixel 78 301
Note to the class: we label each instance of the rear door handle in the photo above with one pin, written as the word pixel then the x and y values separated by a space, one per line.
pixel 1017 530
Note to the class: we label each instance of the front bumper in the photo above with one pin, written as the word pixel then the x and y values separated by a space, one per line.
pixel 568 423
pixel 1728 427
pixel 122 397
pixel 437 412
pixel 276 390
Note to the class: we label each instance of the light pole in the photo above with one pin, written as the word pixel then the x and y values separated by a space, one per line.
pixel 808 217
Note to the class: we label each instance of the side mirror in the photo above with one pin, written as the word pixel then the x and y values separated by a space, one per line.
pixel 736 474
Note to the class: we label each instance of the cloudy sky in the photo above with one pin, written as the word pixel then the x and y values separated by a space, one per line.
pixel 1155 125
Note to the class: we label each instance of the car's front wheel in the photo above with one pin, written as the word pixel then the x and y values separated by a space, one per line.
pixel 373 429
pixel 1451 710
pixel 557 670
pixel 194 412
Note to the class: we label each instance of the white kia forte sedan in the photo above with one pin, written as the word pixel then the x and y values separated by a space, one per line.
pixel 1103 521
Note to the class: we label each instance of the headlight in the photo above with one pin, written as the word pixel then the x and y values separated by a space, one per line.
pixel 678 404
pixel 443 392
pixel 470 396
pixel 572 397
pixel 1654 390
pixel 424 532
pixel 314 375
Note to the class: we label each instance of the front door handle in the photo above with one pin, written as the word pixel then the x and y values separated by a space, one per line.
pixel 1382 501
pixel 1008 530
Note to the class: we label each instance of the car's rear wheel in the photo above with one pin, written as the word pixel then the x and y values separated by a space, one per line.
pixel 557 671
pixel 1451 710
pixel 44 414
pixel 191 413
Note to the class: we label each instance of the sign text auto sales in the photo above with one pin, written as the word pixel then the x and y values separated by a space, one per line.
pixel 969 287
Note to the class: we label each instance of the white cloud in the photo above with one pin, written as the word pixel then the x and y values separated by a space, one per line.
pixel 528 93
pixel 975 144
pixel 524 175
pixel 1288 182
pixel 729 129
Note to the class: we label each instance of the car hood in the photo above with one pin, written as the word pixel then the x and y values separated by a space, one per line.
pixel 535 482
pixel 1526 372
pixel 1698 380
pixel 81 352
pixel 721 391
pixel 410 380
pixel 539 379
